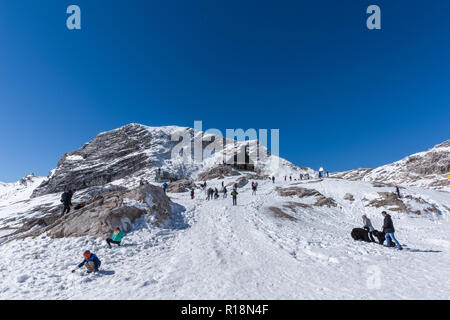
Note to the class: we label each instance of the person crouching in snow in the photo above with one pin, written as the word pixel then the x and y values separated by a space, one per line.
pixel 368 226
pixel 116 237
pixel 388 229
pixel 91 262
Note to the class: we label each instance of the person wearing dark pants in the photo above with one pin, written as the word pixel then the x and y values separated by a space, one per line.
pixel 234 193
pixel 66 199
pixel 116 238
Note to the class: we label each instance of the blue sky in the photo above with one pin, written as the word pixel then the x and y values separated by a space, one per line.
pixel 342 96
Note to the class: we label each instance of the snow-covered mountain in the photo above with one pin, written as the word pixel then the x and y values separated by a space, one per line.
pixel 429 169
pixel 20 190
pixel 289 241
pixel 135 152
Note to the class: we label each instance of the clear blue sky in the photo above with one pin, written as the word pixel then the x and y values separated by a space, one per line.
pixel 342 96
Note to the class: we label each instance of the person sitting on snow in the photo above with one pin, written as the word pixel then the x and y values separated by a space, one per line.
pixel 116 237
pixel 91 262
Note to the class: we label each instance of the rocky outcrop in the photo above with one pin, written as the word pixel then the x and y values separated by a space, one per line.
pixel 349 197
pixel 98 216
pixel 181 186
pixel 241 182
pixel 321 200
pixel 218 172
pixel 109 156
pixel 390 201
pixel 279 213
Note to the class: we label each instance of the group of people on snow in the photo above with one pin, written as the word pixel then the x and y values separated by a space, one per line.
pixel 387 233
pixel 92 262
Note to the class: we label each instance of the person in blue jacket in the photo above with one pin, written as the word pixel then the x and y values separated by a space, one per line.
pixel 165 186
pixel 91 262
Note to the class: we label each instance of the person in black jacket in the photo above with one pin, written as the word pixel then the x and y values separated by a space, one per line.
pixel 66 199
pixel 388 229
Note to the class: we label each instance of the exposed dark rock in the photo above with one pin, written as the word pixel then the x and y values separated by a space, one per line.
pixel 109 156
pixel 99 215
pixel 241 182
pixel 281 214
pixel 349 197
pixel 181 186
pixel 218 172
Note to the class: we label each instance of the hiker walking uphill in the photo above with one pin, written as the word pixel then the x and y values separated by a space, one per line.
pixel 234 194
pixel 91 262
pixel 66 199
pixel 165 186
pixel 116 238
pixel 273 179
pixel 388 229
pixel 192 193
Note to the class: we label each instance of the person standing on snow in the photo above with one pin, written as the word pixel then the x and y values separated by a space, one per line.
pixel 216 194
pixel 273 179
pixel 224 190
pixel 234 194
pixel 368 226
pixel 165 186
pixel 66 199
pixel 388 229
pixel 116 237
pixel 397 189
pixel 91 262
pixel 192 193
pixel 320 172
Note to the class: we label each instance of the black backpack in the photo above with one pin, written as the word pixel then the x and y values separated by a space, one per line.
pixel 65 196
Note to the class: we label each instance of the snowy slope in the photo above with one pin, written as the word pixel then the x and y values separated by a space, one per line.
pixel 217 251
pixel 290 241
